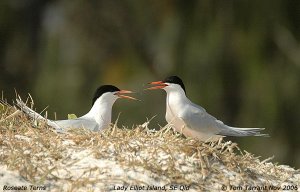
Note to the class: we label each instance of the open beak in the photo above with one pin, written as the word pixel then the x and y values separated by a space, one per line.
pixel 159 85
pixel 119 94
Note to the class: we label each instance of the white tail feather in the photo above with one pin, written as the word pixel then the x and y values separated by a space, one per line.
pixel 36 116
pixel 242 132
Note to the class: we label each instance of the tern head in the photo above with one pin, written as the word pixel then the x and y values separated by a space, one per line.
pixel 168 84
pixel 111 93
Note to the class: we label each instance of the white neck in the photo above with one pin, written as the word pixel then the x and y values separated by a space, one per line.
pixel 102 109
pixel 176 99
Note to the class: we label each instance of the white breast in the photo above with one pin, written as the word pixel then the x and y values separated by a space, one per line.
pixel 177 104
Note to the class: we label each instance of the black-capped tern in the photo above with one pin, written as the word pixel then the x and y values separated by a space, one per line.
pixel 97 119
pixel 192 120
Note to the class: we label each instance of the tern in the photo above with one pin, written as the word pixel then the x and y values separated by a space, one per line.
pixel 97 119
pixel 192 120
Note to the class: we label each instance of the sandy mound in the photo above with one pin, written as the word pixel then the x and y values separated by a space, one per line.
pixel 34 156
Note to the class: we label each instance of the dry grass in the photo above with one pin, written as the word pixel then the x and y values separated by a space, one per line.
pixel 82 160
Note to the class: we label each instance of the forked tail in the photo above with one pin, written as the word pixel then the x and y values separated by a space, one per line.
pixel 34 115
pixel 28 111
pixel 242 132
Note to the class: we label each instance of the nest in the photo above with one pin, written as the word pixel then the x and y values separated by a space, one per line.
pixel 140 159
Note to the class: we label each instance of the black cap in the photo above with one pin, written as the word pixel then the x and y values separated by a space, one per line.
pixel 104 89
pixel 176 80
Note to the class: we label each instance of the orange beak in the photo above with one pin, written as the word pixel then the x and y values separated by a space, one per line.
pixel 160 85
pixel 119 94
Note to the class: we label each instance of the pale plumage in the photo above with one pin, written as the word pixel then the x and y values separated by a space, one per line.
pixel 97 119
pixel 193 120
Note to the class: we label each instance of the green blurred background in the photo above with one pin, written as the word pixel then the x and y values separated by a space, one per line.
pixel 239 59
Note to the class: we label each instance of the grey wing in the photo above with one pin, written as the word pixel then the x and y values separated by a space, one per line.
pixel 195 117
pixel 198 119
pixel 78 123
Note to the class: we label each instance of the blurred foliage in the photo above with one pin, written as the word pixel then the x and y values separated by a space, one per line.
pixel 239 59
